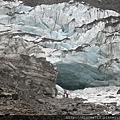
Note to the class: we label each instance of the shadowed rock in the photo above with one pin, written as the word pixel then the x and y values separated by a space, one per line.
pixel 118 92
pixel 103 4
pixel 29 72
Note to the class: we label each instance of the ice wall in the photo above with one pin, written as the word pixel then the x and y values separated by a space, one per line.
pixel 64 33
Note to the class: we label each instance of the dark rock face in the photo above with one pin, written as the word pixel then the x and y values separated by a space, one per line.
pixel 118 92
pixel 36 2
pixel 28 78
pixel 78 76
pixel 28 73
pixel 103 4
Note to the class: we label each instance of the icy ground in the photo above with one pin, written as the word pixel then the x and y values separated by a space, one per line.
pixel 97 95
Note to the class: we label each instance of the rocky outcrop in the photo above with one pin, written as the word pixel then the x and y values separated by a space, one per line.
pixel 11 102
pixel 103 4
pixel 25 73
pixel 26 80
pixel 118 92
pixel 39 2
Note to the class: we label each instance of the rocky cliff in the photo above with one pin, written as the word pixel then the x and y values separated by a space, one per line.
pixel 25 80
pixel 103 4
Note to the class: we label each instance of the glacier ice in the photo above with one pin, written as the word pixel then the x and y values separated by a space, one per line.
pixel 65 34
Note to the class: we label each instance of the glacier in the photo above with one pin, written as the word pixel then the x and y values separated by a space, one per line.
pixel 82 41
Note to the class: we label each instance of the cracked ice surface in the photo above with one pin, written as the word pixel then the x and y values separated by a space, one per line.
pixel 64 33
